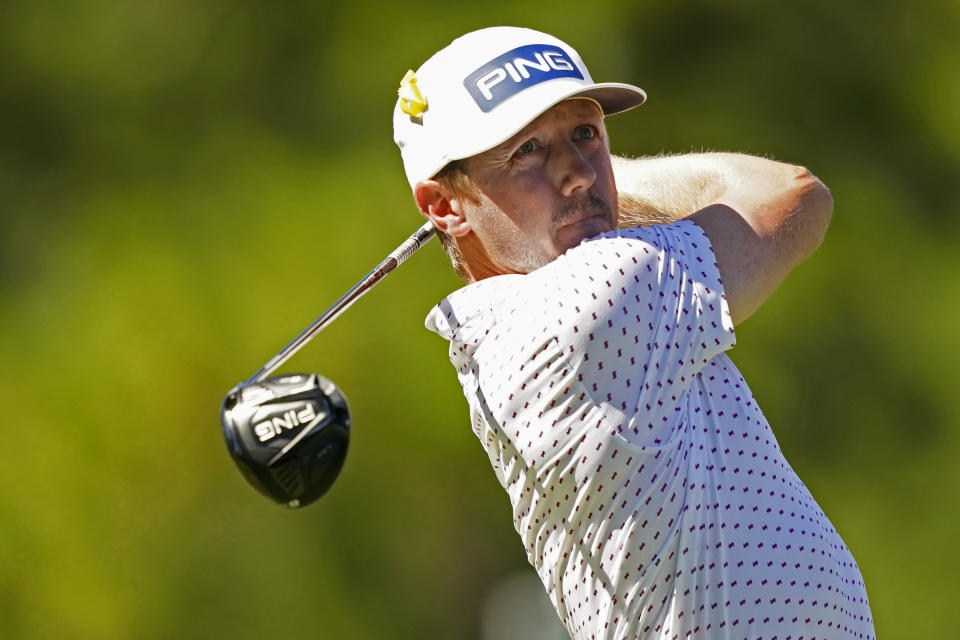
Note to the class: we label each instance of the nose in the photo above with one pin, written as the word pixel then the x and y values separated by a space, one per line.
pixel 571 171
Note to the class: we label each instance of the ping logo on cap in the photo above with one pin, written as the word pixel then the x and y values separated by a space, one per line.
pixel 516 70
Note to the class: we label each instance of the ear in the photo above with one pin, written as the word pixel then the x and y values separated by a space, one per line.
pixel 447 215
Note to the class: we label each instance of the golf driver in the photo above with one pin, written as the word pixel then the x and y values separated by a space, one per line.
pixel 288 434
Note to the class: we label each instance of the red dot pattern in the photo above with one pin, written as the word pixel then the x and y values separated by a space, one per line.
pixel 648 489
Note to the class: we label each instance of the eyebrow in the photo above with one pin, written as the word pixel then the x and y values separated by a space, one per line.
pixel 580 110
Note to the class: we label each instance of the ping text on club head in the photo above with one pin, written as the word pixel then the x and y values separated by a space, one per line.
pixel 290 419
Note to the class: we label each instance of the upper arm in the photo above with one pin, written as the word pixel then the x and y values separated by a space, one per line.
pixel 769 221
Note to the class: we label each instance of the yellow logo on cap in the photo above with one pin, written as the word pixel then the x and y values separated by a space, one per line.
pixel 412 101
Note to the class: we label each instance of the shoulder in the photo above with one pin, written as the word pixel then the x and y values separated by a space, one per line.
pixel 472 308
pixel 620 268
pixel 680 237
pixel 640 279
pixel 622 259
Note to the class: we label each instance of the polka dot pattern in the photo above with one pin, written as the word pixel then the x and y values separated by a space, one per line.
pixel 646 485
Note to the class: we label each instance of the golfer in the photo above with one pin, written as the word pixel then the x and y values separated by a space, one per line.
pixel 602 294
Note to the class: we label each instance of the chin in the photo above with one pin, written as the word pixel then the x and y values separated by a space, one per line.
pixel 571 235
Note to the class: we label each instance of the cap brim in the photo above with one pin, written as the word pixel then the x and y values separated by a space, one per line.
pixel 613 97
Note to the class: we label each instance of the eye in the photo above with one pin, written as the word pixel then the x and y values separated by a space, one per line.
pixel 584 132
pixel 527 147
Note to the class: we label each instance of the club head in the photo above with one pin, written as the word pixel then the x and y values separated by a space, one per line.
pixel 288 434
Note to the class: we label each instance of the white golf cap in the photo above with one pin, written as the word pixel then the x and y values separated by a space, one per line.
pixel 486 86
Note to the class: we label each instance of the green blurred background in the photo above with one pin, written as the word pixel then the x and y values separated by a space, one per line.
pixel 184 185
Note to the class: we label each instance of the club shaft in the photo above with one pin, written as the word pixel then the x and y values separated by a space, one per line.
pixel 394 260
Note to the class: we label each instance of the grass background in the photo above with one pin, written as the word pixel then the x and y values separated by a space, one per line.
pixel 185 185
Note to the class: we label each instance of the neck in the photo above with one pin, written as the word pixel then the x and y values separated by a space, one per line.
pixel 476 260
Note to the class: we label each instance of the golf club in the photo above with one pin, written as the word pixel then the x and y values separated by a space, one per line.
pixel 288 434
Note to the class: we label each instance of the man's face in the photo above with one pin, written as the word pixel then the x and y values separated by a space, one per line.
pixel 543 190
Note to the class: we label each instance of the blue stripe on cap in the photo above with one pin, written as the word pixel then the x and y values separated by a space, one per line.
pixel 512 72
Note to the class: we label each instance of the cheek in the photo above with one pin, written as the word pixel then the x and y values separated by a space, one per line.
pixel 606 182
pixel 492 224
pixel 514 210
pixel 602 166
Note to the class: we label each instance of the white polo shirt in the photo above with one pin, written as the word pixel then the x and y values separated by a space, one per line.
pixel 649 492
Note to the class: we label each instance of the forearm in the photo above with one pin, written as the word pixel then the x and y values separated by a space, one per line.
pixel 762 217
pixel 666 188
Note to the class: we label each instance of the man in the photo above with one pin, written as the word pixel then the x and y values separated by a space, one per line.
pixel 646 485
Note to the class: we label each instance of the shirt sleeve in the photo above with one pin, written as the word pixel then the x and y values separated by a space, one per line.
pixel 641 311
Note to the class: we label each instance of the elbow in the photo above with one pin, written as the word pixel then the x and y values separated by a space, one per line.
pixel 813 212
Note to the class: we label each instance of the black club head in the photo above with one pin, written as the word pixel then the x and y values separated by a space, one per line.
pixel 288 434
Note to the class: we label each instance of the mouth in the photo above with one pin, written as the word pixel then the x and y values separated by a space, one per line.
pixel 587 206
pixel 581 219
pixel 602 215
pixel 573 232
